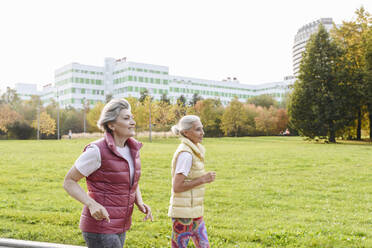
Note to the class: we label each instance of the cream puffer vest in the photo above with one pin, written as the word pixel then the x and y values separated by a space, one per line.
pixel 189 204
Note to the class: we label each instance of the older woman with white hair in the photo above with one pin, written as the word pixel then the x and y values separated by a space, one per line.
pixel 112 170
pixel 188 180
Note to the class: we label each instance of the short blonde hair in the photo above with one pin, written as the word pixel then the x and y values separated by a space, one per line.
pixel 110 113
pixel 185 123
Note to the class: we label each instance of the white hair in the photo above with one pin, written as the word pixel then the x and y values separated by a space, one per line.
pixel 185 123
pixel 110 113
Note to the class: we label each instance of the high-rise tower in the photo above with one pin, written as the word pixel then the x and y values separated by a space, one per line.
pixel 301 38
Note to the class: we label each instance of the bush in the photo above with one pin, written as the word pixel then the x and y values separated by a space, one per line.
pixel 21 130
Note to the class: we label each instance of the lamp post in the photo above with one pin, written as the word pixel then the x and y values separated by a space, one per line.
pixel 150 126
pixel 85 125
pixel 57 114
pixel 38 122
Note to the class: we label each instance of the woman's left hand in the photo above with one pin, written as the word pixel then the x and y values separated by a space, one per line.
pixel 146 210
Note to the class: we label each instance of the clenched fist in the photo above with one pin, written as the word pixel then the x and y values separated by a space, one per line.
pixel 209 177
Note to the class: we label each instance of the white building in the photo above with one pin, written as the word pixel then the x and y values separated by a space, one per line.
pixel 48 94
pixel 25 91
pixel 76 83
pixel 302 37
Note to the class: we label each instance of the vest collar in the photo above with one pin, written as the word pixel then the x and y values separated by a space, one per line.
pixel 133 144
pixel 198 149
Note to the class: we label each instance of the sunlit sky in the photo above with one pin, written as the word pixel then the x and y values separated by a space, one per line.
pixel 250 40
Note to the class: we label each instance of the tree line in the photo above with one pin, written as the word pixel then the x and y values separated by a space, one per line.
pixel 260 115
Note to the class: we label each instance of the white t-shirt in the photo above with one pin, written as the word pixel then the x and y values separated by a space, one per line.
pixel 184 163
pixel 90 160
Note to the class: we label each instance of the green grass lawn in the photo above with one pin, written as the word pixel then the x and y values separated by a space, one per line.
pixel 269 192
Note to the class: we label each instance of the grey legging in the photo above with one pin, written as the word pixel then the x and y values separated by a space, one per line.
pixel 103 240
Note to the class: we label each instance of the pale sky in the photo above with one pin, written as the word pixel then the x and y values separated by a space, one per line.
pixel 209 39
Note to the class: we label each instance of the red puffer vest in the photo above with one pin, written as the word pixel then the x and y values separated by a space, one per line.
pixel 110 186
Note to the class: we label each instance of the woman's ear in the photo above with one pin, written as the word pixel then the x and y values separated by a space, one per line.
pixel 185 133
pixel 111 126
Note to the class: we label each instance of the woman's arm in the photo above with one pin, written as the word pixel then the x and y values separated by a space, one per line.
pixel 180 185
pixel 142 206
pixel 72 187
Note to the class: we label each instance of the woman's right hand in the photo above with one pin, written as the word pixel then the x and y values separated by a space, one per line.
pixel 98 212
pixel 209 177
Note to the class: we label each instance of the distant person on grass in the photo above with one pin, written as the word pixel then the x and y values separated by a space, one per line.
pixel 188 179
pixel 112 169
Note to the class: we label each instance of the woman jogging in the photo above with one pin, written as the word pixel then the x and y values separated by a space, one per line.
pixel 188 185
pixel 112 169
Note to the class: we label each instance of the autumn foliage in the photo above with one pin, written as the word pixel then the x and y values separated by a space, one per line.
pixel 7 117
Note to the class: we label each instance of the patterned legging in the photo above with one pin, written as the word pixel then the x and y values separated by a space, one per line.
pixel 184 229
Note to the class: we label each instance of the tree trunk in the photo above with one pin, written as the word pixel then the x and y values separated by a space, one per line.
pixel 332 137
pixel 359 127
pixel 370 125
pixel 332 133
pixel 370 121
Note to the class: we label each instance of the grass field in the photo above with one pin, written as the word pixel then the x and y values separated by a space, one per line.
pixel 269 192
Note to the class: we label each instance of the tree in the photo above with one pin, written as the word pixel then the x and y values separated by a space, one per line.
pixel 352 37
pixel 282 119
pixel 182 100
pixel 195 99
pixel 164 98
pixel 72 119
pixel 266 121
pixel 20 130
pixel 368 79
pixel 93 116
pixel 210 112
pixel 271 121
pixel 163 116
pixel 263 101
pixel 141 113
pixel 319 104
pixel 10 97
pixel 46 123
pixel 144 94
pixel 283 104
pixel 7 117
pixel 233 119
pixel 28 108
pixel 178 110
pixel 251 112
pixel 134 103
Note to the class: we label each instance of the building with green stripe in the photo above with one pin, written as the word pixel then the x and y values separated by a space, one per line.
pixel 76 84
